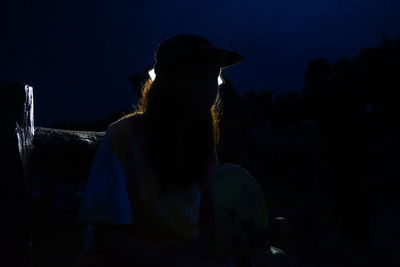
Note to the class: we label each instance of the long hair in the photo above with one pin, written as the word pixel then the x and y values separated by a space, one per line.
pixel 177 150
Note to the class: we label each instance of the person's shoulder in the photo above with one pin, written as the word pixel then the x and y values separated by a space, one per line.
pixel 125 124
pixel 123 132
pixel 122 122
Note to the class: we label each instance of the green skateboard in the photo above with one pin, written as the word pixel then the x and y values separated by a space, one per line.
pixel 240 212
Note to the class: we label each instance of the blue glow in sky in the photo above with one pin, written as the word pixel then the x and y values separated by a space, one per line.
pixel 78 54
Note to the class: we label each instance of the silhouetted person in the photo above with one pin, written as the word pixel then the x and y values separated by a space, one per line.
pixel 153 166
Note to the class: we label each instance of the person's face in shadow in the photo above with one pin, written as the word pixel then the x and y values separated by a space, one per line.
pixel 199 83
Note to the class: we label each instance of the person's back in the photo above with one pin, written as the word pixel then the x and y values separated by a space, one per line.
pixel 123 190
pixel 165 217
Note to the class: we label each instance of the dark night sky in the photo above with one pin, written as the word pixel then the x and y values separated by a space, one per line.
pixel 78 54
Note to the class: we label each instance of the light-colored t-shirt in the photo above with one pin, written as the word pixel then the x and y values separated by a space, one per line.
pixel 107 200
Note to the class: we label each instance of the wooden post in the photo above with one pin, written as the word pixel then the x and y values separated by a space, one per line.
pixel 16 135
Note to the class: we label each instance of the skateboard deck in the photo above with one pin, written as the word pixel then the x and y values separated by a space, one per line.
pixel 240 212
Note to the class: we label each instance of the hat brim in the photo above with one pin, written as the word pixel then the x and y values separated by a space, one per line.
pixel 224 58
